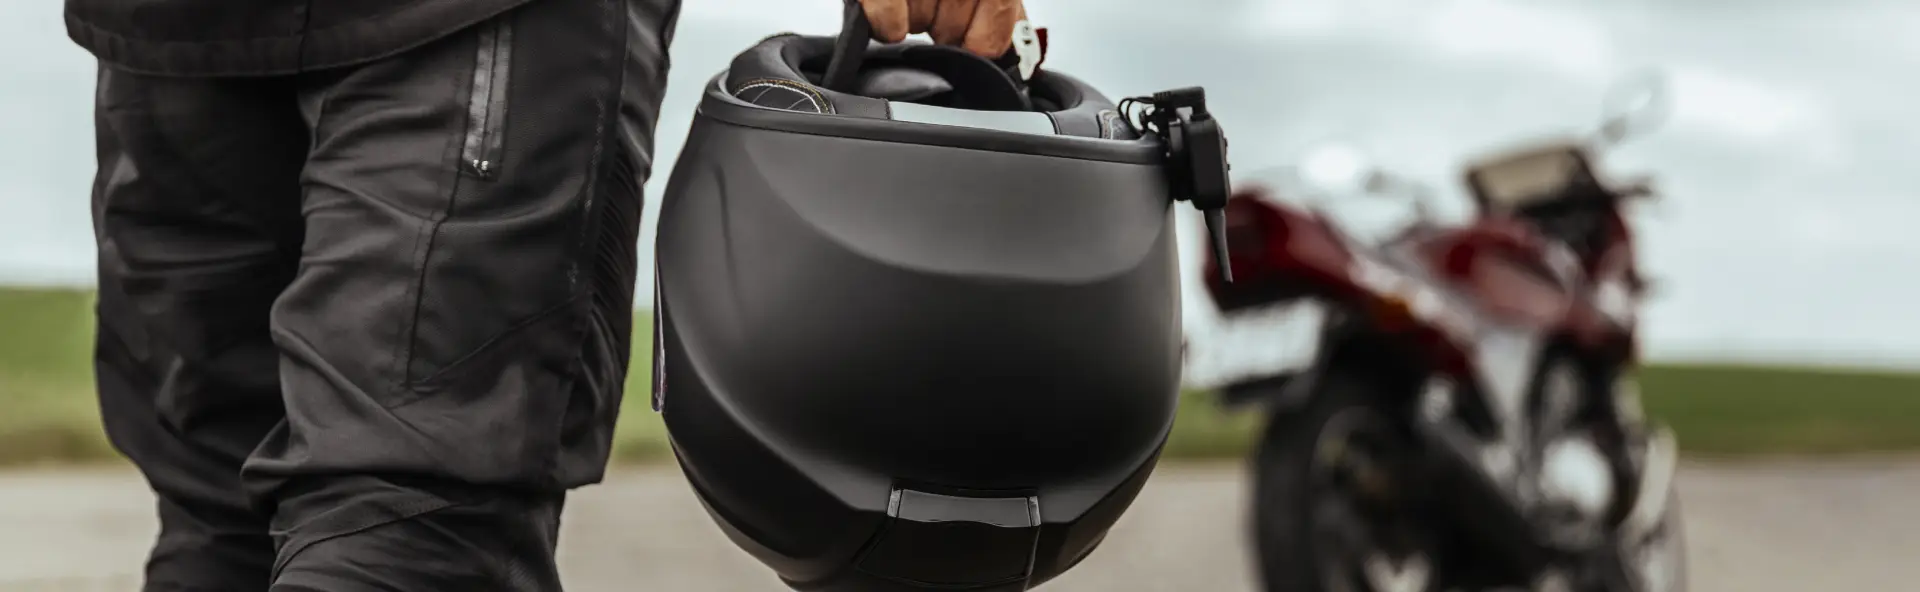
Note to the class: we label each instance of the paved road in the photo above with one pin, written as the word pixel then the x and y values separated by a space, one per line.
pixel 1773 527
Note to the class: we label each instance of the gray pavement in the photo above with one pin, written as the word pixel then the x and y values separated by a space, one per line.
pixel 1777 526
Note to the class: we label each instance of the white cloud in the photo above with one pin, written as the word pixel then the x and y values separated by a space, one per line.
pixel 1721 102
pixel 1561 38
pixel 1567 40
pixel 1832 227
pixel 1303 17
pixel 1329 17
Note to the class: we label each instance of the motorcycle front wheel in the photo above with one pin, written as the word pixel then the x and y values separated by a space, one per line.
pixel 1657 561
pixel 1331 509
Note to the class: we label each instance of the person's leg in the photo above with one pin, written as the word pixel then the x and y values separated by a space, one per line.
pixel 455 341
pixel 196 213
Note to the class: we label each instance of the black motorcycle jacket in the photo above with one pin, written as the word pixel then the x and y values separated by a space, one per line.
pixel 203 38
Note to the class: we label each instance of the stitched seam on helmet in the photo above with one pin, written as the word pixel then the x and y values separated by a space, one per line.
pixel 813 99
pixel 819 101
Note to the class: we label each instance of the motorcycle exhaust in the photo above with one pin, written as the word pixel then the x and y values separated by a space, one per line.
pixel 1488 509
pixel 1656 482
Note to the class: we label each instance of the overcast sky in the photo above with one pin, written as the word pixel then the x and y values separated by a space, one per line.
pixel 1790 226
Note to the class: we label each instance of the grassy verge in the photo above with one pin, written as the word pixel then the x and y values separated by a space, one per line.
pixel 48 414
pixel 1733 410
pixel 47 410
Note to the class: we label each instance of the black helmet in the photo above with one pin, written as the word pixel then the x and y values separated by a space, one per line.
pixel 917 323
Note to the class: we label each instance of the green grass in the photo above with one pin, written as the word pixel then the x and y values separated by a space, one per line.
pixel 47 410
pixel 1733 410
pixel 48 414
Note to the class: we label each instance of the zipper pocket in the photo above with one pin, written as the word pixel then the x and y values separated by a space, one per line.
pixel 487 100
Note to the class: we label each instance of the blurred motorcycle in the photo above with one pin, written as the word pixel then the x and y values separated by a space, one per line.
pixel 1468 420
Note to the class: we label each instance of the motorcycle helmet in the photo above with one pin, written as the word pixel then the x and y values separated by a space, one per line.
pixel 917 319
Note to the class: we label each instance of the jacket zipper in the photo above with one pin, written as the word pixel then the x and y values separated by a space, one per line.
pixel 487 101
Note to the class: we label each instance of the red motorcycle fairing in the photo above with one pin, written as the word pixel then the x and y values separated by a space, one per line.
pixel 1505 269
pixel 1277 253
pixel 1500 265
pixel 1496 270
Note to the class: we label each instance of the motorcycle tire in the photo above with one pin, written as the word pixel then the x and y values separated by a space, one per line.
pixel 1286 540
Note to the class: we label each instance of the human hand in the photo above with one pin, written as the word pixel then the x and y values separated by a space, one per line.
pixel 984 27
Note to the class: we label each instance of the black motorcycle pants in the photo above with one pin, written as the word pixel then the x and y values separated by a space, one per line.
pixel 362 328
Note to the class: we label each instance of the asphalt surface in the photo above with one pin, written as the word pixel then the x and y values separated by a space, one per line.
pixel 1752 527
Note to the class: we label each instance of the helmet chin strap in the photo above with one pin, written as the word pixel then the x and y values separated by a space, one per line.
pixel 849 48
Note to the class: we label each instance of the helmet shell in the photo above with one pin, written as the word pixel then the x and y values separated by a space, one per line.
pixel 903 356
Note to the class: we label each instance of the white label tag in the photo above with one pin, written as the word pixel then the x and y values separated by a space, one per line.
pixel 1026 43
pixel 1255 344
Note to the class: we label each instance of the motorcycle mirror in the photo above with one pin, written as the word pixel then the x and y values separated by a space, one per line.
pixel 1339 168
pixel 1634 106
